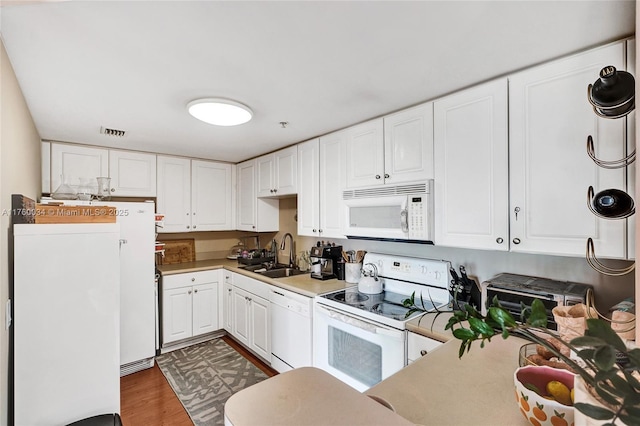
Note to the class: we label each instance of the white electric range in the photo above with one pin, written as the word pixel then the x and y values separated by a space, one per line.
pixel 361 338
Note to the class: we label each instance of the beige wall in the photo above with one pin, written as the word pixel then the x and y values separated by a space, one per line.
pixel 19 174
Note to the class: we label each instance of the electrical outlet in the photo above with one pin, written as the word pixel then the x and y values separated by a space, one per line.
pixel 7 315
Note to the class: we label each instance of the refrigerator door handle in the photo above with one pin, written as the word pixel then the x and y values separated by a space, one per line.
pixel 121 241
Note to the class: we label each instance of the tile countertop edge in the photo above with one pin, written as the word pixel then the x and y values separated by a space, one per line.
pixel 301 284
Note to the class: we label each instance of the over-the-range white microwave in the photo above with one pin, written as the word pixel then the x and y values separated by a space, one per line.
pixel 390 212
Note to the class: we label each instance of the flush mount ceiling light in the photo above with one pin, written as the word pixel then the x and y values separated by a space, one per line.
pixel 220 112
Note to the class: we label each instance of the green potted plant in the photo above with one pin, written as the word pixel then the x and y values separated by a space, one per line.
pixel 615 382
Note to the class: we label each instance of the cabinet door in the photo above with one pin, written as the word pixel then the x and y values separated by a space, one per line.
pixel 227 306
pixel 176 314
pixel 550 172
pixel 241 325
pixel 631 145
pixel 408 145
pixel 174 193
pixel 286 171
pixel 419 345
pixel 266 182
pixel 45 162
pixel 471 168
pixel 205 308
pixel 80 165
pixel 246 220
pixel 365 154
pixel 260 326
pixel 332 183
pixel 211 200
pixel 133 174
pixel 308 194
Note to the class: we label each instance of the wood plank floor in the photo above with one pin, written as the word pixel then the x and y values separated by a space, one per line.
pixel 146 398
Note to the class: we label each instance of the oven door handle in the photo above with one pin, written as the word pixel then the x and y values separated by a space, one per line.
pixel 358 322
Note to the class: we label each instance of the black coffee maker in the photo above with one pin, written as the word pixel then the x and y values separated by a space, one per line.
pixel 325 261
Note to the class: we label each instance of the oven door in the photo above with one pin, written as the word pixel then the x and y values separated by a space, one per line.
pixel 357 351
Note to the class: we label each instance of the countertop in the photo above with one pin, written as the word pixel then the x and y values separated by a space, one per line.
pixel 306 396
pixel 301 284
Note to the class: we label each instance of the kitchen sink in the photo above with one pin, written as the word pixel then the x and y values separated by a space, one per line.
pixel 281 272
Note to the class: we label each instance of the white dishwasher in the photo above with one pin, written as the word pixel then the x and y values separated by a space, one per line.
pixel 291 330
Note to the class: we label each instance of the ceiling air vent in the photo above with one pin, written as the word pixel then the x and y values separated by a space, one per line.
pixel 112 132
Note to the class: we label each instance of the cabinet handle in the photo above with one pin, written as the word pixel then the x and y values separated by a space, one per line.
pixel 188 226
pixel 516 241
pixel 271 191
pixel 499 240
pixel 194 226
pixel 275 190
pixel 187 214
pixel 423 352
pixel 377 176
pixel 189 292
pixel 193 279
pixel 314 231
pixel 229 290
pixel 113 190
pixel 516 211
pixel 386 176
pixel 253 226
pixel 195 291
pixel 320 231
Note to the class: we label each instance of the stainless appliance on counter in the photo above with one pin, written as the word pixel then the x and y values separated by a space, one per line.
pixel 361 338
pixel 324 261
pixel 512 289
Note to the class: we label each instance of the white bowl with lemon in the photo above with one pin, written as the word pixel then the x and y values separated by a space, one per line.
pixel 545 395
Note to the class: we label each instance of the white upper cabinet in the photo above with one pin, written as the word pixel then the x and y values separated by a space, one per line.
pixel 253 213
pixel 471 168
pixel 631 145
pixel 278 173
pixel 309 183
pixel 365 154
pixel 45 158
pixel 195 195
pixel 174 193
pixel 80 165
pixel 395 149
pixel 332 182
pixel 550 171
pixel 320 196
pixel 408 145
pixel 133 174
pixel 211 196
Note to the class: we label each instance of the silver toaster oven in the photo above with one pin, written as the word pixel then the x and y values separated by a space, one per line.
pixel 512 290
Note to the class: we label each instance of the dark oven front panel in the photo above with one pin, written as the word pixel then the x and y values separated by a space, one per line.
pixel 512 303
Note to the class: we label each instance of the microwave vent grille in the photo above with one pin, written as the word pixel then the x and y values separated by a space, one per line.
pixel 387 190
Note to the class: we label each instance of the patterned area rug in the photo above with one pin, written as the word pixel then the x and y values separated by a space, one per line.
pixel 205 375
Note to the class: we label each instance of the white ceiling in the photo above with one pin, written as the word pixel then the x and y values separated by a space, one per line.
pixel 321 66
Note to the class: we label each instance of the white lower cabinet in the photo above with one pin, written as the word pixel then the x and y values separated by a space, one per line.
pixel 227 302
pixel 251 315
pixel 189 305
pixel 419 345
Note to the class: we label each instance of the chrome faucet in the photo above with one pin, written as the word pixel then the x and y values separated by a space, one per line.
pixel 282 246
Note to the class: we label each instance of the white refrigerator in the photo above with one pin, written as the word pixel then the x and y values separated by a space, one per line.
pixel 66 300
pixel 138 298
pixel 137 284
pixel 138 292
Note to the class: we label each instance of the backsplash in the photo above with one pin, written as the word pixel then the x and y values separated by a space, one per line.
pixel 484 264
